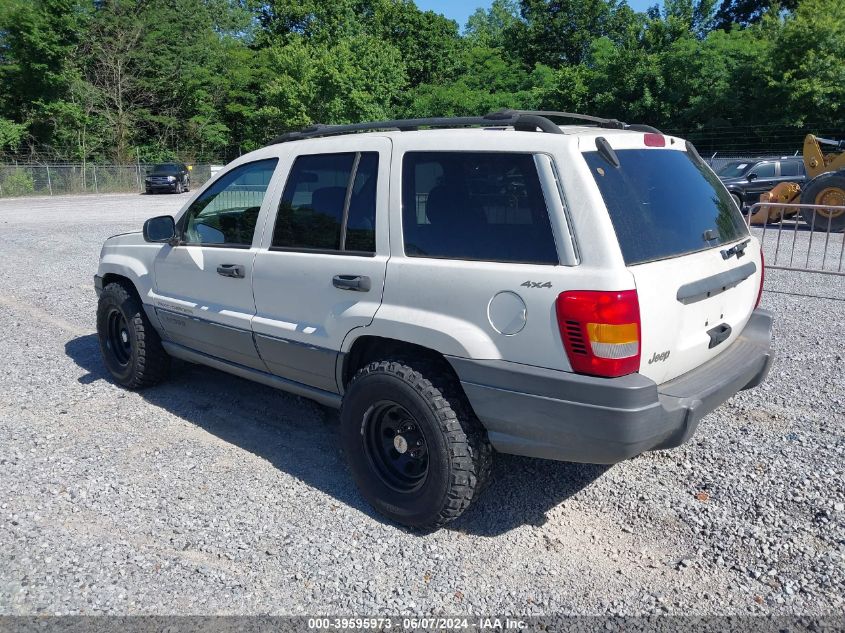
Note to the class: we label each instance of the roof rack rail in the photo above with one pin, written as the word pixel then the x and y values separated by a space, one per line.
pixel 601 122
pixel 613 124
pixel 524 121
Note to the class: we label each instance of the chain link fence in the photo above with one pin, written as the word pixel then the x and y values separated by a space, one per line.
pixel 45 179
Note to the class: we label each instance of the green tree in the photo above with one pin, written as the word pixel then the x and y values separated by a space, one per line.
pixel 358 78
pixel 428 43
pixel 807 72
pixel 489 27
pixel 37 42
pixel 558 32
pixel 746 12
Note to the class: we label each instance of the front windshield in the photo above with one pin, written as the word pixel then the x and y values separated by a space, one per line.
pixel 166 167
pixel 734 169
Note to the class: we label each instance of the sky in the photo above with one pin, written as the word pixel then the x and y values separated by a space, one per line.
pixel 460 10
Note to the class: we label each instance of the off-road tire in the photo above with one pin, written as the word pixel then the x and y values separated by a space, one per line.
pixel 459 453
pixel 147 363
pixel 809 196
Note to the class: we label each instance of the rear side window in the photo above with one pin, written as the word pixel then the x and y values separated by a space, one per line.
pixel 792 168
pixel 477 206
pixel 329 204
pixel 664 203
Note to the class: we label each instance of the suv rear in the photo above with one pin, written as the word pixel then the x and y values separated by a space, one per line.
pixel 531 288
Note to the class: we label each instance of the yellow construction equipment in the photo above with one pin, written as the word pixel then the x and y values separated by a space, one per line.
pixel 825 186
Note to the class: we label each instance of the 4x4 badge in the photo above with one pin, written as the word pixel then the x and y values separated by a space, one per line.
pixel 537 284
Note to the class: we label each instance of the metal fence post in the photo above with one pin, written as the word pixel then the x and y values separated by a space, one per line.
pixel 96 190
pixel 49 182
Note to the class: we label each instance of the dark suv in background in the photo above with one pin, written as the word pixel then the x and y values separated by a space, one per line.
pixel 747 179
pixel 172 177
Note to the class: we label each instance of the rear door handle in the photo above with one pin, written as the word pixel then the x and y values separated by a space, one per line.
pixel 359 283
pixel 232 270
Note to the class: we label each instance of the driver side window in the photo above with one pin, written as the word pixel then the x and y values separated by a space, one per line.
pixel 226 213
pixel 765 170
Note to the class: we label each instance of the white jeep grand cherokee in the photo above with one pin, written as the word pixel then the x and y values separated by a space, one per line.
pixel 582 293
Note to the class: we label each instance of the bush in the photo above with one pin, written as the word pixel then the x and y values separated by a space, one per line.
pixel 17 182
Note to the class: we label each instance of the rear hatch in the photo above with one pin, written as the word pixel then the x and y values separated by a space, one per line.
pixel 696 268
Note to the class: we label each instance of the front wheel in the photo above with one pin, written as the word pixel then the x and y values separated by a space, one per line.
pixel 131 348
pixel 415 450
pixel 178 187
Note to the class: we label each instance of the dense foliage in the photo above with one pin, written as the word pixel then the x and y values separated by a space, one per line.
pixel 151 79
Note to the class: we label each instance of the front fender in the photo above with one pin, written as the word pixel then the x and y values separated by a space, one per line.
pixel 131 257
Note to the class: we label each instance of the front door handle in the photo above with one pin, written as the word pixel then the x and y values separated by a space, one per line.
pixel 232 270
pixel 359 283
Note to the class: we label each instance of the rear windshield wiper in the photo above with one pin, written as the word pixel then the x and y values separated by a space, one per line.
pixel 736 249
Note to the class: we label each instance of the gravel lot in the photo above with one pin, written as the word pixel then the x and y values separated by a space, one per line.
pixel 211 494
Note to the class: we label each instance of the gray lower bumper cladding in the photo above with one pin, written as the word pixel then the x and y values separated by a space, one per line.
pixel 564 416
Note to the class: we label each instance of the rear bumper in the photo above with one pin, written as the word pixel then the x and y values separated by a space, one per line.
pixel 564 416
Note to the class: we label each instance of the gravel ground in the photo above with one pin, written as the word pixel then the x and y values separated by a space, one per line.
pixel 211 494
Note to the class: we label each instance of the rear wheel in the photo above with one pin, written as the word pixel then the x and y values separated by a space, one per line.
pixel 827 189
pixel 415 450
pixel 131 348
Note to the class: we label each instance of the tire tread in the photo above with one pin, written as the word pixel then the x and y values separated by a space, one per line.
pixel 152 364
pixel 471 455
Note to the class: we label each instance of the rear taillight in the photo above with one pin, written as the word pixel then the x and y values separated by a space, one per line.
pixel 600 331
pixel 762 275
pixel 654 140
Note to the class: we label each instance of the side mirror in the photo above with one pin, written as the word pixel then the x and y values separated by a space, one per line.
pixel 751 176
pixel 160 229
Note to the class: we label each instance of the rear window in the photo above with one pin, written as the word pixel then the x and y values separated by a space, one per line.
pixel 664 203
pixel 475 205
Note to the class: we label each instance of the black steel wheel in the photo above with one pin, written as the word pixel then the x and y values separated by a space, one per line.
pixel 414 448
pixel 117 341
pixel 395 445
pixel 131 348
